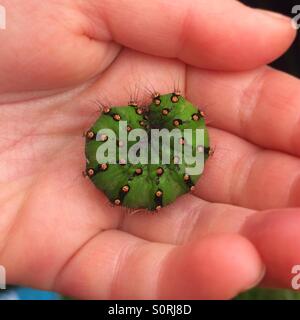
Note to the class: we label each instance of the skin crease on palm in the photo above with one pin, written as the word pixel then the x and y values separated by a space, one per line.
pixel 57 232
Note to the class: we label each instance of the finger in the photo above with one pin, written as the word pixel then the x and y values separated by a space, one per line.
pixel 209 35
pixel 213 269
pixel 261 106
pixel 186 219
pixel 115 265
pixel 241 174
pixel 275 234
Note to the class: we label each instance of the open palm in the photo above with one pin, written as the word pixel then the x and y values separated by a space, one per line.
pixel 58 232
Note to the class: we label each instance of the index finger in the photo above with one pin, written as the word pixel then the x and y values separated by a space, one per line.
pixel 208 34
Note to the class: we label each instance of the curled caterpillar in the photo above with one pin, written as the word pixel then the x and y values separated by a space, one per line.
pixel 143 172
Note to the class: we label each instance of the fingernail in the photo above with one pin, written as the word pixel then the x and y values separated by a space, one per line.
pixel 275 15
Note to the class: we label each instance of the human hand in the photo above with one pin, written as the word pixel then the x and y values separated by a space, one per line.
pixel 57 232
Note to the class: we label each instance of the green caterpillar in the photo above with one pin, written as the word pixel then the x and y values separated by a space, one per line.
pixel 147 185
